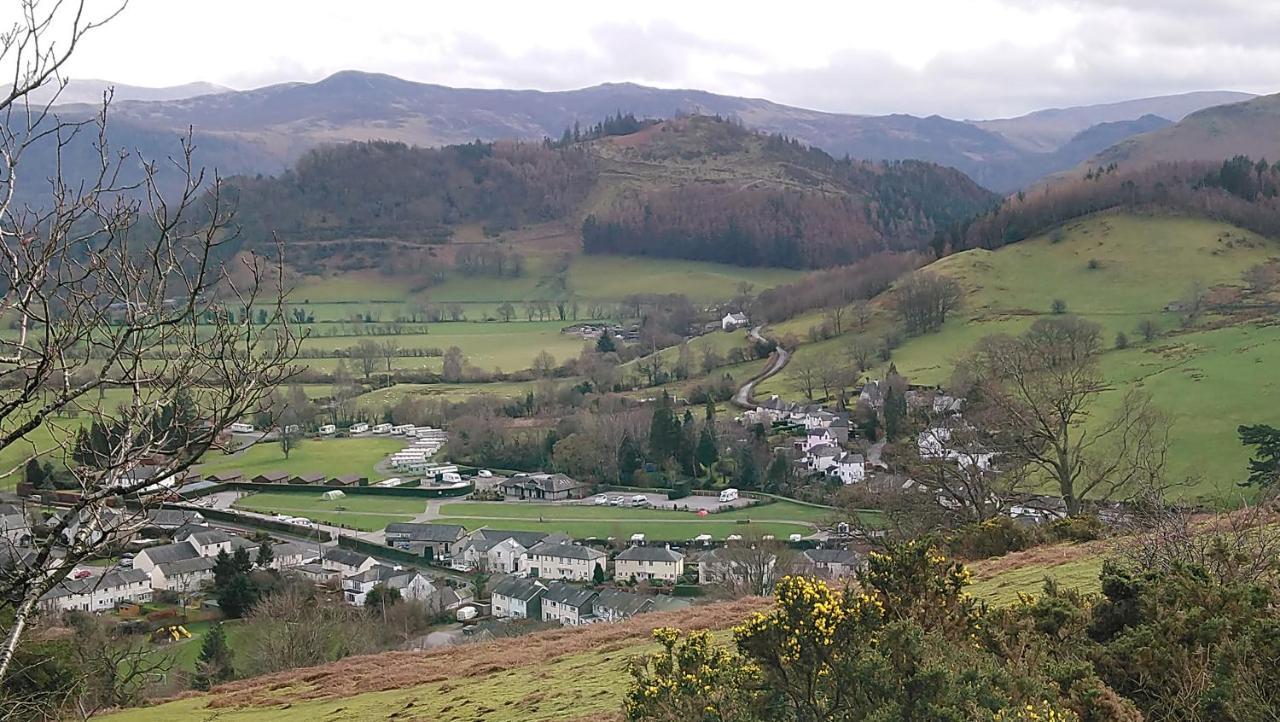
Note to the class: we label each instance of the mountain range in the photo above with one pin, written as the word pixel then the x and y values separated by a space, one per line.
pixel 263 131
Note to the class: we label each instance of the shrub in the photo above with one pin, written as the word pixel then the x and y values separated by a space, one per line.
pixel 1122 341
pixel 1077 529
pixel 1094 264
pixel 991 538
pixel 1059 306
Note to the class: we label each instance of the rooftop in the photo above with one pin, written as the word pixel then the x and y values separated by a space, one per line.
pixel 650 554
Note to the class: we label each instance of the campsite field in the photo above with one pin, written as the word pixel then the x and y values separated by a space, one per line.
pixel 335 457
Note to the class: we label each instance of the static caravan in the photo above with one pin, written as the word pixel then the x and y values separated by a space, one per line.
pixel 729 494
pixel 328 430
pixel 402 429
pixel 359 428
pixel 382 429
pixel 241 428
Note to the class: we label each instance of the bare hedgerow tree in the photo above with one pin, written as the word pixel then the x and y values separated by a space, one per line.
pixel 111 285
pixel 1037 393
pixel 924 300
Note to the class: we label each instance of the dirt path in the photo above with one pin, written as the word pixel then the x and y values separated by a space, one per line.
pixel 781 357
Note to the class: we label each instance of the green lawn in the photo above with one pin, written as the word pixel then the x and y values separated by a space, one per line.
pixel 335 457
pixel 777 511
pixel 355 503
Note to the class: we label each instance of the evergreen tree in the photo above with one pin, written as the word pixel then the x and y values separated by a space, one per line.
pixel 605 343
pixel 237 596
pixel 214 663
pixel 243 564
pixel 895 413
pixel 777 474
pixel 597 575
pixel 664 431
pixel 687 446
pixel 629 458
pixel 709 412
pixel 35 474
pixel 224 569
pixel 708 452
pixel 266 554
pixel 381 597
pixel 748 471
pixel 1264 466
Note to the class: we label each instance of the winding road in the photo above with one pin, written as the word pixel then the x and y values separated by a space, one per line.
pixel 778 361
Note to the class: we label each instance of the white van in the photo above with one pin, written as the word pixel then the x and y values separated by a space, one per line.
pixel 639 500
pixel 728 495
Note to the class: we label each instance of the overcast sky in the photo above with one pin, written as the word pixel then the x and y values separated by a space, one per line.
pixel 960 58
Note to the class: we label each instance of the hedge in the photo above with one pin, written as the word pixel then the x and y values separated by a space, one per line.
pixel 403 491
pixel 379 550
pixel 262 523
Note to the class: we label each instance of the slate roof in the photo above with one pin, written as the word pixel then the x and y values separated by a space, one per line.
pixel 110 580
pixel 173 517
pixel 517 588
pixel 833 556
pixel 186 566
pixel 209 536
pixel 569 595
pixel 346 557
pixel 548 483
pixel 566 551
pixel 622 604
pixel 525 539
pixel 650 554
pixel 169 553
pixel 426 532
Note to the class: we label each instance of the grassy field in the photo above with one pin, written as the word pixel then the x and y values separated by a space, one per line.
pixel 335 457
pixel 1208 379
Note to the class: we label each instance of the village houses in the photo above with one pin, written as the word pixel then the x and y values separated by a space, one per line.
pixel 565 561
pixel 518 598
pixel 641 563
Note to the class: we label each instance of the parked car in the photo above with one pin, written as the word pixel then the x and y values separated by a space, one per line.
pixel 602 500
pixel 617 501
pixel 639 500
pixel 484 474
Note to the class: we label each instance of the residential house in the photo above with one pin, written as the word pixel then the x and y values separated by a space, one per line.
pixel 345 561
pixel 272 477
pixel 15 529
pixel 503 556
pixel 517 598
pixel 849 468
pixel 567 604
pixel 822 457
pixel 183 576
pixel 151 557
pixel 640 563
pixel 733 321
pixel 286 555
pixel 316 572
pixel 832 563
pixel 612 605
pixel 173 519
pixel 756 570
pixel 434 541
pixel 817 437
pixel 543 487
pixel 872 394
pixel 839 428
pixel 98 593
pixel 409 582
pixel 937 443
pixel 565 561
pixel 209 542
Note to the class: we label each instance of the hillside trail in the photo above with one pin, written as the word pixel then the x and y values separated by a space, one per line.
pixel 781 357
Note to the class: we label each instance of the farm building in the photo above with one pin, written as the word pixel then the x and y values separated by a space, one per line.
pixel 543 487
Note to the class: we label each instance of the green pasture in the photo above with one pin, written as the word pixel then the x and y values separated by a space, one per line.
pixel 334 457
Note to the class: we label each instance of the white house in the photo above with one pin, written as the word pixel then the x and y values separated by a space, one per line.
pixel 183 575
pixel 151 557
pixel 565 561
pixel 517 598
pixel 832 563
pixel 502 556
pixel 409 582
pixel 99 593
pixel 817 437
pixel 209 543
pixel 732 321
pixel 935 443
pixel 567 604
pixel 287 555
pixel 345 561
pixel 822 457
pixel 648 563
pixel 849 468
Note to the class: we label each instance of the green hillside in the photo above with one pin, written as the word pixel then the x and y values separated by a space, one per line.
pixel 1210 377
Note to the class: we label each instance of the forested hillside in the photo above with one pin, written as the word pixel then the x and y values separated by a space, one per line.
pixel 699 188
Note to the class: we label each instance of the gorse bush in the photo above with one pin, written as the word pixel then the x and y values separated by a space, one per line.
pixel 1181 642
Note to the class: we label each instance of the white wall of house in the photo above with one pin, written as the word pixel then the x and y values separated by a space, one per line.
pixel 643 569
pixel 548 567
pixel 509 607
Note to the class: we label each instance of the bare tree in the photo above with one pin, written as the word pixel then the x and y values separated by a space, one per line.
pixel 751 567
pixel 366 354
pixel 1037 392
pixel 955 465
pixel 862 351
pixel 112 284
pixel 924 300
pixel 389 349
pixel 544 364
pixel 860 311
pixel 805 374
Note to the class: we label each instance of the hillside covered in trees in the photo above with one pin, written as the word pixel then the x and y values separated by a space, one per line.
pixel 1242 191
pixel 698 188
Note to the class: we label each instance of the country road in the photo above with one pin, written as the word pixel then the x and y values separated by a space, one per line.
pixel 781 357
